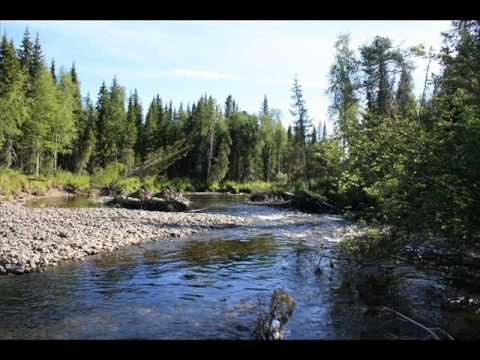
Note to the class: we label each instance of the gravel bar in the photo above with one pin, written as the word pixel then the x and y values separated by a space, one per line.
pixel 32 239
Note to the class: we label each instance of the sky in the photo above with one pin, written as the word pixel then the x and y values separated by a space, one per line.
pixel 182 60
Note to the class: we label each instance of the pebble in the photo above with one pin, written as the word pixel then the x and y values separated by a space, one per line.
pixel 33 239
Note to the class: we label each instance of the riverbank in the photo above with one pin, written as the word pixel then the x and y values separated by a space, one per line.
pixel 34 239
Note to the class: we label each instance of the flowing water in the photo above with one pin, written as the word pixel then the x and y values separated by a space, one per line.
pixel 213 286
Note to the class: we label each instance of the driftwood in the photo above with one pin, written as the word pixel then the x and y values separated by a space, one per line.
pixel 153 204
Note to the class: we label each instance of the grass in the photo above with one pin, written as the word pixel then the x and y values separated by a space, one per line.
pixel 112 177
pixel 236 187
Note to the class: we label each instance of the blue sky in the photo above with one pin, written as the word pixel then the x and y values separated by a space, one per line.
pixel 181 60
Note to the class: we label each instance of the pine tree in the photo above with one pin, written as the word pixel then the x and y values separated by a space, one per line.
pixel 220 161
pixel 229 106
pixel 404 98
pixel 38 62
pixel 266 142
pixel 343 88
pixel 122 149
pixel 103 143
pixel 302 124
pixel 25 56
pixel 314 136
pixel 85 151
pixel 135 116
pixel 53 71
pixel 378 63
pixel 151 128
pixel 13 104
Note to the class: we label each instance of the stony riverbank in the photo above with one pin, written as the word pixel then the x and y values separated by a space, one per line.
pixel 34 239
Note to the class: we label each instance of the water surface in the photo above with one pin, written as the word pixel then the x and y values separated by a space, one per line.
pixel 213 285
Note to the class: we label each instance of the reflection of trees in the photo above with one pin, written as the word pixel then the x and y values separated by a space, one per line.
pixel 220 250
pixel 109 270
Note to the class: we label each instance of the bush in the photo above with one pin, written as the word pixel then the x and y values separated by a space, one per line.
pixel 150 183
pixel 12 182
pixel 79 182
pixel 109 177
pixel 215 187
pixel 129 185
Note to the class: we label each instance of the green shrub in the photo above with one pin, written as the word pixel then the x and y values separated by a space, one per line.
pixel 150 183
pixel 109 177
pixel 12 182
pixel 214 187
pixel 129 185
pixel 79 182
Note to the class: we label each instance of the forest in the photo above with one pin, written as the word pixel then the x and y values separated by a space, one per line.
pixel 409 165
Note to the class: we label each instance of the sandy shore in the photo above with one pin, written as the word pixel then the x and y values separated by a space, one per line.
pixel 33 239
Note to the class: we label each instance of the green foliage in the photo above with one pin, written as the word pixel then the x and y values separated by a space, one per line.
pixel 11 181
pixel 108 177
pixel 178 184
pixel 129 185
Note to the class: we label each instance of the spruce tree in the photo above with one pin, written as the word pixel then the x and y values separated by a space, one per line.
pixel 13 104
pixel 103 143
pixel 344 84
pixel 53 71
pixel 302 124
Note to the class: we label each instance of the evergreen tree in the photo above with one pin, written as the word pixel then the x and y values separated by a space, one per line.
pixel 151 127
pixel 266 142
pixel 25 56
pixel 53 71
pixel 229 106
pixel 379 60
pixel 103 142
pixel 135 116
pixel 314 136
pixel 13 104
pixel 86 139
pixel 343 88
pixel 121 142
pixel 302 124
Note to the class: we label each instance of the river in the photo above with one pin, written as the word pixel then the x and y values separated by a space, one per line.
pixel 213 286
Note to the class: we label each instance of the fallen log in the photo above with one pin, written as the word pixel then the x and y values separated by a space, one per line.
pixel 152 204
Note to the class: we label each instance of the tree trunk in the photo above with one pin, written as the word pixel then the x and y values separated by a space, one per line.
pixel 268 162
pixel 424 88
pixel 38 163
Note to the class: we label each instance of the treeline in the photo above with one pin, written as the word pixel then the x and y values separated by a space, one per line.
pixel 412 164
pixel 46 125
